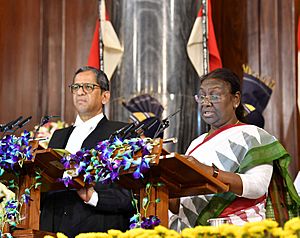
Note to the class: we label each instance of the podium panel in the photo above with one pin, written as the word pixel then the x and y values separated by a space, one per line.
pixel 179 175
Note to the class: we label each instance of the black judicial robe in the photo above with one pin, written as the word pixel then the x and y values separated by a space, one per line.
pixel 64 211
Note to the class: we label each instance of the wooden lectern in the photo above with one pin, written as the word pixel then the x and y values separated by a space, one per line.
pixel 52 169
pixel 180 175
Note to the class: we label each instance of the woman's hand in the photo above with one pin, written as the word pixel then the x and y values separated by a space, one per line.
pixel 232 179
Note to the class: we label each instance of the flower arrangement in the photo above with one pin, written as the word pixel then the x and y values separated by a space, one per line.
pixel 101 164
pixel 14 151
pixel 105 162
pixel 145 222
pixel 263 229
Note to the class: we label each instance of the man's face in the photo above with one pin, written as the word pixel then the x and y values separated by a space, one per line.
pixel 89 104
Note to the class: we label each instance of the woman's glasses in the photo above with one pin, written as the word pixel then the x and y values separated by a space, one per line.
pixel 208 98
pixel 86 87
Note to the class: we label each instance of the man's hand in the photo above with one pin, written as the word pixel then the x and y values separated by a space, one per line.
pixel 86 193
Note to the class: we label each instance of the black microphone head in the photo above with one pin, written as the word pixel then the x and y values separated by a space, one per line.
pixel 12 124
pixel 24 122
pixel 121 132
pixel 146 127
pixel 164 124
pixel 46 119
pixel 154 125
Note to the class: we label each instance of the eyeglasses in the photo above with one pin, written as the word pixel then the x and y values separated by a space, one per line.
pixel 86 87
pixel 209 98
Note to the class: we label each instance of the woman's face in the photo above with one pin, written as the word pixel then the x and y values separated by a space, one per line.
pixel 218 105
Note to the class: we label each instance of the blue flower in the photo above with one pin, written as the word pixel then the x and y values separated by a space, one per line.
pixel 14 151
pixel 137 173
pixel 150 222
pixel 26 198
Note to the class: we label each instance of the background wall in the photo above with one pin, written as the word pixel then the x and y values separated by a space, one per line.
pixel 262 33
pixel 42 43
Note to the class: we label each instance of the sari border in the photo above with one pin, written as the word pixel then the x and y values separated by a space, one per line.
pixel 216 132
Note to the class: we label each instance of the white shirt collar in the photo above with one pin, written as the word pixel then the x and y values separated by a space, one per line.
pixel 81 132
pixel 93 122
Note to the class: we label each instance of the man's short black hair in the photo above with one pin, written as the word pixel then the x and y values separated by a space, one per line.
pixel 101 77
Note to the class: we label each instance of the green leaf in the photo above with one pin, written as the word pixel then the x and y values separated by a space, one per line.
pixel 89 168
pixel 12 223
pixel 145 202
pixel 11 185
pixel 37 185
pixel 159 184
pixel 148 185
pixel 1 171
pixel 134 202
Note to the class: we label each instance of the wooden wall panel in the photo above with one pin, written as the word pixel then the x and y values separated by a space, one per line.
pixel 262 34
pixel 230 28
pixel 288 76
pixel 80 20
pixel 276 59
pixel 42 43
pixel 52 26
pixel 19 57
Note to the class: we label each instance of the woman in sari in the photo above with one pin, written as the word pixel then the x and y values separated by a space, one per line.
pixel 240 155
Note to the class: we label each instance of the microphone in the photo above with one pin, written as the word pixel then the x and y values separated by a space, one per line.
pixel 44 120
pixel 146 126
pixel 121 132
pixel 22 123
pixel 165 123
pixel 10 124
pixel 140 128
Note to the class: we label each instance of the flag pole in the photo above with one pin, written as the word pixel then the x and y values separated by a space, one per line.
pixel 101 58
pixel 204 34
pixel 204 126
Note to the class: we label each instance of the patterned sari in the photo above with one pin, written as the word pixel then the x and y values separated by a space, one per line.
pixel 233 148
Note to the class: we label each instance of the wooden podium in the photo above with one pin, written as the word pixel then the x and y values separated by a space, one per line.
pixel 30 224
pixel 180 176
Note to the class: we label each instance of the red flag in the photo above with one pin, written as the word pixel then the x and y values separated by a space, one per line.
pixel 214 55
pixel 94 56
pixel 298 46
pixel 195 43
pixel 112 49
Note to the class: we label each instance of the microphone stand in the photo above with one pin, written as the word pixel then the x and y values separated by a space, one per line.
pixel 164 124
pixel 44 120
